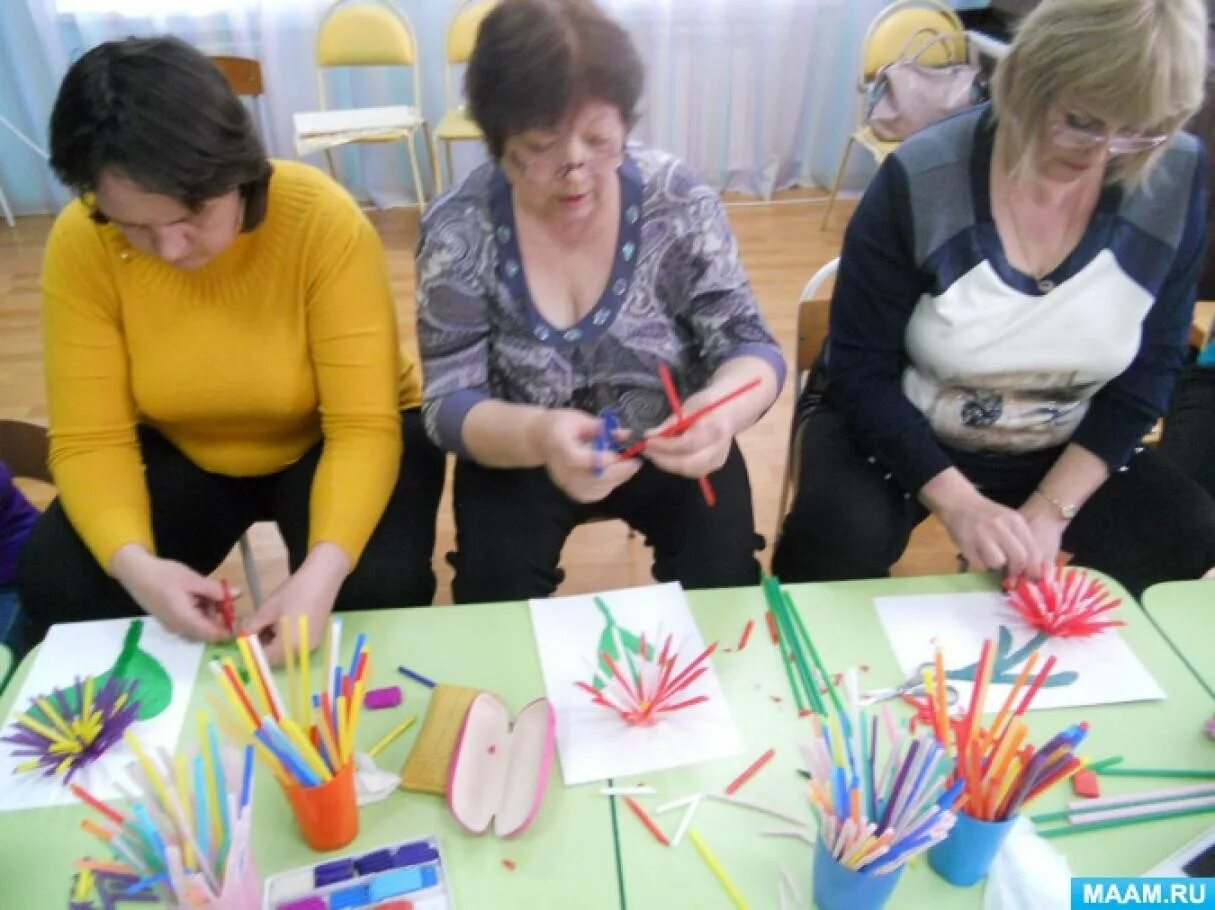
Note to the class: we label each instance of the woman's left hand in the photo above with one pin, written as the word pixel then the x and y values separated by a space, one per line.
pixel 311 591
pixel 697 451
pixel 1210 574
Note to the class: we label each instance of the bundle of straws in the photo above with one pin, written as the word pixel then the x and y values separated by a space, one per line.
pixel 187 833
pixel 653 685
pixel 1063 602
pixel 69 729
pixel 870 822
pixel 795 643
pixel 309 738
pixel 1000 771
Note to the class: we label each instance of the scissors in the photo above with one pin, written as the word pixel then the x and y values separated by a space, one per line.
pixel 913 686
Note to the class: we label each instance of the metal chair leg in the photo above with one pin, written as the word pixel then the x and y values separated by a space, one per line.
pixel 8 212
pixel 839 176
pixel 417 174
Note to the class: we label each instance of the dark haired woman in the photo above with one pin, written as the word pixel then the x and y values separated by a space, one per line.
pixel 552 284
pixel 221 349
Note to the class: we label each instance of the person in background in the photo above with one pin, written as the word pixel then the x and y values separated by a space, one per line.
pixel 221 349
pixel 1010 315
pixel 553 283
pixel 17 517
pixel 1188 440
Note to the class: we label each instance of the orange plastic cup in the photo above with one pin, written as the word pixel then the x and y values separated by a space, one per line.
pixel 328 815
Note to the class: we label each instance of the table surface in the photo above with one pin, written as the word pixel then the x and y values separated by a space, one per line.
pixel 1182 611
pixel 591 847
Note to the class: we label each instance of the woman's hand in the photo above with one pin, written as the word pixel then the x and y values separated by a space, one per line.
pixel 1210 574
pixel 987 534
pixel 186 602
pixel 567 442
pixel 1047 527
pixel 699 450
pixel 311 591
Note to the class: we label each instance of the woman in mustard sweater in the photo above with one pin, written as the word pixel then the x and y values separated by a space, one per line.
pixel 221 349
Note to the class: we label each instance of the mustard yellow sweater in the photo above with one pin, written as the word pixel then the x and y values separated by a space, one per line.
pixel 286 338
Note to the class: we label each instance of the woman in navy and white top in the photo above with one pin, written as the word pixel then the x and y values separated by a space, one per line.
pixel 552 284
pixel 1010 315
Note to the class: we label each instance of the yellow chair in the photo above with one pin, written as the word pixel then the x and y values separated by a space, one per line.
pixel 885 42
pixel 365 33
pixel 456 125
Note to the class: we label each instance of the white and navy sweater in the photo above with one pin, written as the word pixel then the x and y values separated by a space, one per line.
pixel 937 343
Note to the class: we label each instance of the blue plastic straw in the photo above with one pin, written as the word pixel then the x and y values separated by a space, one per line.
pixel 417 677
pixel 359 644
pixel 246 786
pixel 201 820
pixel 298 770
pixel 144 884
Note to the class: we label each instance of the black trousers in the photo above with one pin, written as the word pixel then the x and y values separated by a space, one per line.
pixel 1189 428
pixel 1147 524
pixel 198 516
pixel 512 524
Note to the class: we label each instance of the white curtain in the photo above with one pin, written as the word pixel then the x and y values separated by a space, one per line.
pixel 756 94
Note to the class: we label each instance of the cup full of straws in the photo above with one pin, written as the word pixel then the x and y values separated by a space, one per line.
pixel 998 771
pixel 186 836
pixel 873 815
pixel 307 739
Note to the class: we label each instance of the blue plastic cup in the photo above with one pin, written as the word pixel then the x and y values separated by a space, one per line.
pixel 964 858
pixel 837 888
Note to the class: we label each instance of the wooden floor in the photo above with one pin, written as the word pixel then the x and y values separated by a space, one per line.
pixel 782 245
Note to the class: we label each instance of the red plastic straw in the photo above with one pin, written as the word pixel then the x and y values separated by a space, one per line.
pixel 746 635
pixel 751 771
pixel 647 821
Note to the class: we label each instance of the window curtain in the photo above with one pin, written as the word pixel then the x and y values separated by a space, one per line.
pixel 756 94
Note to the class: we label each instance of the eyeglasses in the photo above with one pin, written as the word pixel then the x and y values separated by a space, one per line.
pixel 549 166
pixel 1077 134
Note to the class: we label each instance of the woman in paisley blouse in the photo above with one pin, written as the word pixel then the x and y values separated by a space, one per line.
pixel 553 283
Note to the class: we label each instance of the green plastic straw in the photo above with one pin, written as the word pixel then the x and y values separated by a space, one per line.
pixel 803 667
pixel 1103 764
pixel 1158 772
pixel 797 695
pixel 1122 822
pixel 818 661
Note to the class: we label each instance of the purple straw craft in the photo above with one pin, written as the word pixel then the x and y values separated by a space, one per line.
pixel 113 709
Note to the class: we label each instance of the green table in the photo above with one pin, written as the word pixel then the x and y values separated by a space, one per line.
pixel 1182 610
pixel 846 629
pixel 583 845
pixel 570 849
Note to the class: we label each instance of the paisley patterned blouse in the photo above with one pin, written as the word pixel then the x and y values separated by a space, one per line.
pixel 677 294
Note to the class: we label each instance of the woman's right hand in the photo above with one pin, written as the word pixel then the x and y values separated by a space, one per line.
pixel 987 534
pixel 568 445
pixel 186 602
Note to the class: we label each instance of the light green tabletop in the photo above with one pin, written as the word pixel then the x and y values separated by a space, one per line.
pixel 845 626
pixel 1183 610
pixel 569 850
pixel 571 854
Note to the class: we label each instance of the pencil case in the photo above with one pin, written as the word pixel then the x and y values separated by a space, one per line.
pixel 429 764
pixel 500 771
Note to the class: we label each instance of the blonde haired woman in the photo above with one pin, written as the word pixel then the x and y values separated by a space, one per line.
pixel 1011 313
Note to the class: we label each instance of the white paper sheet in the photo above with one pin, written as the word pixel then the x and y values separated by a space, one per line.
pixel 89 648
pixel 1100 670
pixel 593 742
